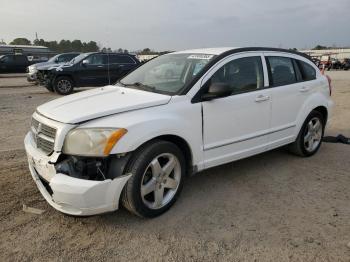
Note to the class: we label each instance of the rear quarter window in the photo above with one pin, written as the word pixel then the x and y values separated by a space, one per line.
pixel 307 71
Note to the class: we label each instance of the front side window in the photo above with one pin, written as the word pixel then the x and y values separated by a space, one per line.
pixel 281 71
pixel 307 71
pixel 242 75
pixel 167 74
pixel 97 59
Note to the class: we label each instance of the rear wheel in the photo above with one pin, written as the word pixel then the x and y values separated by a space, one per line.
pixel 158 171
pixel 63 85
pixel 310 136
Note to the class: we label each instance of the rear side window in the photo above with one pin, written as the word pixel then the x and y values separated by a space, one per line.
pixel 281 71
pixel 243 75
pixel 121 59
pixel 307 71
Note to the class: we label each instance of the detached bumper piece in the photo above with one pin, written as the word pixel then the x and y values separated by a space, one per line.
pixel 72 195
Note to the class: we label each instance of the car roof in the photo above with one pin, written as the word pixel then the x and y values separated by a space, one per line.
pixel 210 51
pixel 222 51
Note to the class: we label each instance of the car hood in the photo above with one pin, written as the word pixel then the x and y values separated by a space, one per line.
pixel 99 102
pixel 47 65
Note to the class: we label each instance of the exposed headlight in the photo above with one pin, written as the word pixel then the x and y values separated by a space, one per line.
pixel 32 69
pixel 92 141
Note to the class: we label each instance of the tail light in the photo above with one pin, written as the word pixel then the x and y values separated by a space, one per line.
pixel 329 82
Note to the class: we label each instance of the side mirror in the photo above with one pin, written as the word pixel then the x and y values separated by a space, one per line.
pixel 85 62
pixel 217 90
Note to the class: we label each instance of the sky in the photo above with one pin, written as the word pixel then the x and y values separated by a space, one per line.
pixel 180 24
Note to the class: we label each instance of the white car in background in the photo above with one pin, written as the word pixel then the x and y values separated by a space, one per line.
pixel 135 142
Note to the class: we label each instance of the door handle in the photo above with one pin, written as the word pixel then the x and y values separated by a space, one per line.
pixel 261 98
pixel 100 66
pixel 304 89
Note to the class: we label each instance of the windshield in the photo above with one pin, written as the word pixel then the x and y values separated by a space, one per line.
pixel 52 59
pixel 78 58
pixel 167 74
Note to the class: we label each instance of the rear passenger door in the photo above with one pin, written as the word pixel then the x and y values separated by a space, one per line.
pixel 120 65
pixel 289 92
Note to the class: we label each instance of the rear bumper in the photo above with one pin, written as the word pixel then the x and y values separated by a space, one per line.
pixel 70 195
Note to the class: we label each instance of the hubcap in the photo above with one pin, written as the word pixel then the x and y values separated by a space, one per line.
pixel 64 85
pixel 160 181
pixel 313 134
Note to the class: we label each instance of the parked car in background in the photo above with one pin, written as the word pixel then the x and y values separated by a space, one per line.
pixel 135 142
pixel 89 69
pixel 346 64
pixel 14 63
pixel 32 70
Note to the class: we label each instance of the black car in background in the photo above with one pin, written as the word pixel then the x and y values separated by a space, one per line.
pixel 89 69
pixel 56 60
pixel 14 63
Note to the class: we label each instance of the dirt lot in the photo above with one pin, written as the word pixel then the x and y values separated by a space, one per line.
pixel 271 207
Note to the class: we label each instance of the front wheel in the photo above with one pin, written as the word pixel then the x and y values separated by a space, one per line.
pixel 158 171
pixel 310 136
pixel 63 85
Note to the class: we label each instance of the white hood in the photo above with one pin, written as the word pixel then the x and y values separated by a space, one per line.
pixel 99 102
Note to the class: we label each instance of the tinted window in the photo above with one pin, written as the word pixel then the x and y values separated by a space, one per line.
pixel 97 59
pixel 20 59
pixel 281 71
pixel 121 59
pixel 66 58
pixel 7 59
pixel 243 74
pixel 307 71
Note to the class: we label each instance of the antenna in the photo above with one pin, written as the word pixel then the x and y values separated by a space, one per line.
pixel 109 76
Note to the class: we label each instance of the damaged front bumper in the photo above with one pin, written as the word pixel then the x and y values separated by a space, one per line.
pixel 68 194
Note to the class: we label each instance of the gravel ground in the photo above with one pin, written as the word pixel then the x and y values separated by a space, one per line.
pixel 270 207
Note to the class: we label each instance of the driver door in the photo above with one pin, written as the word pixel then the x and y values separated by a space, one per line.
pixel 94 72
pixel 237 126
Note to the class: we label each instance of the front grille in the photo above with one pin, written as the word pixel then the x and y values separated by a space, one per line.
pixel 44 136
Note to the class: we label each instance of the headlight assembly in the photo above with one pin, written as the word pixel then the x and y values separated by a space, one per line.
pixel 92 141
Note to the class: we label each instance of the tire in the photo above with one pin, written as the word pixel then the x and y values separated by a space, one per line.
pixel 63 85
pixel 149 193
pixel 309 138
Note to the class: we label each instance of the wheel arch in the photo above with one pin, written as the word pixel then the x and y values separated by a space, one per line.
pixel 182 144
pixel 65 75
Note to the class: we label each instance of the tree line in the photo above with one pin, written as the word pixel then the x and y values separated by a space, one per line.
pixel 61 46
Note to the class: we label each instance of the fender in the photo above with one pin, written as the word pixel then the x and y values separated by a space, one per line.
pixel 147 124
pixel 314 101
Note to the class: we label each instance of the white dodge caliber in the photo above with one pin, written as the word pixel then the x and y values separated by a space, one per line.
pixel 133 143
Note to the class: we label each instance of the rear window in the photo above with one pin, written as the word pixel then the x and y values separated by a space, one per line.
pixel 307 71
pixel 281 71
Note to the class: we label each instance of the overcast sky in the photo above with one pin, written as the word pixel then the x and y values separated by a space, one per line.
pixel 180 24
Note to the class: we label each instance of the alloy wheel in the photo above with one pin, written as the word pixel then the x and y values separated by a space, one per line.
pixel 160 181
pixel 313 134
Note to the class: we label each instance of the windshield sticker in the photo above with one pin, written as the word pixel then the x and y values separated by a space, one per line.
pixel 201 57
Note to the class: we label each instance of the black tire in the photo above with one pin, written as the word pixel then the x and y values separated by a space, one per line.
pixel 298 147
pixel 63 85
pixel 138 166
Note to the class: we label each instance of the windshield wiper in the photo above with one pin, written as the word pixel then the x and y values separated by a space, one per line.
pixel 138 85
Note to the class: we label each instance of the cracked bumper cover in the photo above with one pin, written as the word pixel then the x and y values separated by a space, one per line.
pixel 70 195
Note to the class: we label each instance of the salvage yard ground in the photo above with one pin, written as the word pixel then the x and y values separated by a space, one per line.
pixel 270 207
